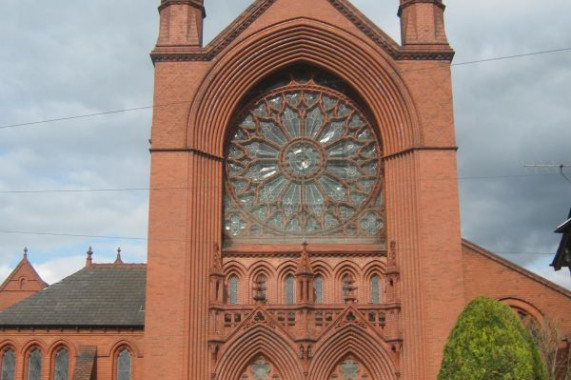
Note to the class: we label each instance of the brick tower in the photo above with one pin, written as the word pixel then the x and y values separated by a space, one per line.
pixel 304 218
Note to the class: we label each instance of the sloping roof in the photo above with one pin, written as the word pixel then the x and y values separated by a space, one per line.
pixel 100 295
pixel 25 270
pixel 508 264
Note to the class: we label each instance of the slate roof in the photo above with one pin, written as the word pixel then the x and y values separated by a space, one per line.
pixel 100 295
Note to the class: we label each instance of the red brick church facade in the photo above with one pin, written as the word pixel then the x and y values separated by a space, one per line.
pixel 304 217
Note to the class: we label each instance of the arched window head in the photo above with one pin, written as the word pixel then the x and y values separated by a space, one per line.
pixel 35 365
pixel 8 364
pixel 61 365
pixel 303 161
pixel 124 365
pixel 318 289
pixel 233 290
pixel 375 290
pixel 290 290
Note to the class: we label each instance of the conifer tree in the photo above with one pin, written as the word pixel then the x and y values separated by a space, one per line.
pixel 489 342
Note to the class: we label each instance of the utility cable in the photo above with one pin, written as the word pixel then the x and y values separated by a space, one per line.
pixel 536 53
pixel 146 239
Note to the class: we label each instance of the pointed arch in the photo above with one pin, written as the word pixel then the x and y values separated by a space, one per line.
pixel 351 340
pixel 259 340
pixel 315 43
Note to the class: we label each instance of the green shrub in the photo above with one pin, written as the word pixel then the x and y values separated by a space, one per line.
pixel 489 342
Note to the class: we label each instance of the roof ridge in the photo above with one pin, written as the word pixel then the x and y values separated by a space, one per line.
pixel 500 260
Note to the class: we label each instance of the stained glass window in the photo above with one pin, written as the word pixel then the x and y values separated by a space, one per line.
pixel 61 368
pixel 260 369
pixel 290 290
pixel 303 160
pixel 350 369
pixel 124 365
pixel 318 289
pixel 375 290
pixel 35 365
pixel 8 364
pixel 233 290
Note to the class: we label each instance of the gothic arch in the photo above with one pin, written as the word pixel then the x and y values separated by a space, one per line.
pixel 517 304
pixel 285 269
pixel 125 343
pixel 31 345
pixel 262 268
pixel 303 40
pixel 259 340
pixel 352 341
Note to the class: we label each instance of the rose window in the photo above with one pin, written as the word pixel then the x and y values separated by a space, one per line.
pixel 303 160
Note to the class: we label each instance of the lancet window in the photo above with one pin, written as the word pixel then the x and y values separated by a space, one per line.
pixel 290 290
pixel 318 289
pixel 375 290
pixel 35 365
pixel 61 365
pixel 124 365
pixel 233 290
pixel 303 161
pixel 8 364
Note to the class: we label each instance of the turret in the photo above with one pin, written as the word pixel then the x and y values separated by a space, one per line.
pixel 181 23
pixel 422 22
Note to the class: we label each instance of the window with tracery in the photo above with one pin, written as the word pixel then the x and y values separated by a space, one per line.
pixel 61 365
pixel 350 369
pixel 303 161
pixel 8 364
pixel 260 369
pixel 124 365
pixel 375 290
pixel 233 290
pixel 290 290
pixel 318 289
pixel 35 365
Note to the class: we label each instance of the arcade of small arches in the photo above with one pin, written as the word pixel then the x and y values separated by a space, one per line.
pixel 58 361
pixel 330 285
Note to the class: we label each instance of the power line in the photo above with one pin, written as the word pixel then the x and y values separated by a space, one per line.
pixel 512 56
pixel 82 116
pixel 146 239
pixel 144 189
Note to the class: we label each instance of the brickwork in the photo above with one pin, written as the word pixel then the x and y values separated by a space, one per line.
pixel 23 282
pixel 196 326
pixel 102 343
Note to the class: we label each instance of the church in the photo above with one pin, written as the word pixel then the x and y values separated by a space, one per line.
pixel 303 214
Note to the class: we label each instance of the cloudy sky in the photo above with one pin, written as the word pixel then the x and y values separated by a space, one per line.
pixel 61 59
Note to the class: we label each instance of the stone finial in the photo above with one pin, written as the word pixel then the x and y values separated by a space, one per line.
pixel 118 260
pixel 304 265
pixel 217 267
pixel 89 259
pixel 26 253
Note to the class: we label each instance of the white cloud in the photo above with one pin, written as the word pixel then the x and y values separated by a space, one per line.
pixel 506 112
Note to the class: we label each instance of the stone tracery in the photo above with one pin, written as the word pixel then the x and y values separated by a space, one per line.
pixel 303 161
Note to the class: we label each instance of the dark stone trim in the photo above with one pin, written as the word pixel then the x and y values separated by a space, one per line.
pixel 259 7
pixel 188 150
pixel 415 149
